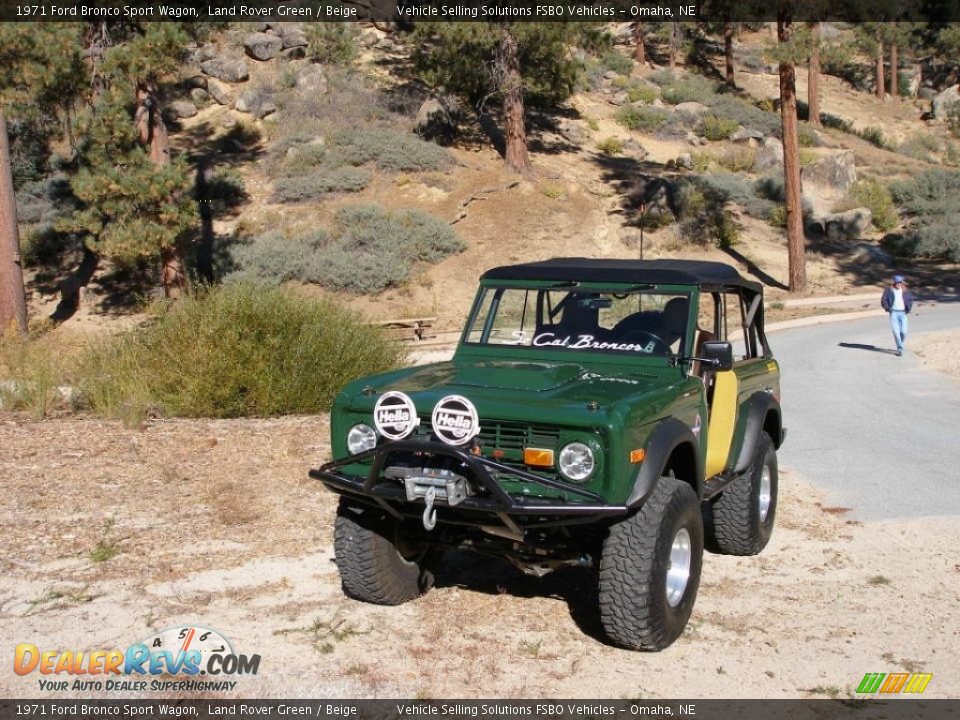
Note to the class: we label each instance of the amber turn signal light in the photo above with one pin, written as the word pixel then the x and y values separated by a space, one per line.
pixel 538 457
pixel 637 455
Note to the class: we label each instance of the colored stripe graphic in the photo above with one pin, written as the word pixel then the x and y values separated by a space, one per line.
pixel 871 683
pixel 918 683
pixel 894 682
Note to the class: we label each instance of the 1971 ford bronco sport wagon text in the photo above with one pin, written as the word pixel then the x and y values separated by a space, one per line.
pixel 617 414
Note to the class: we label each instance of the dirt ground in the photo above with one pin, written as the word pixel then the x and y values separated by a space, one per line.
pixel 939 351
pixel 110 534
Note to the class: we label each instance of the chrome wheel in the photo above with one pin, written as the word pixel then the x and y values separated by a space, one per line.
pixel 678 568
pixel 764 496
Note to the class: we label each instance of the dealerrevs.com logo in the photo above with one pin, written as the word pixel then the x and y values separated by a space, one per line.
pixel 189 657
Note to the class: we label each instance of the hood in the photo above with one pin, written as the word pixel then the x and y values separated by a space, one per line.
pixel 495 375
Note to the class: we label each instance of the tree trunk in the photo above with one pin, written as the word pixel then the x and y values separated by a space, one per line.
pixel 673 45
pixel 796 250
pixel 813 77
pixel 728 53
pixel 639 52
pixel 148 119
pixel 894 72
pixel 13 303
pixel 515 129
pixel 881 81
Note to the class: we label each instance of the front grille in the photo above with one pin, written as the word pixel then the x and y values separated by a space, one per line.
pixel 503 434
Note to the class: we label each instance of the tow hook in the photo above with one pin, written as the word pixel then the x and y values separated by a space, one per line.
pixel 430 512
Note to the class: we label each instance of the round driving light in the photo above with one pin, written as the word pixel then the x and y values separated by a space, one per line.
pixel 361 438
pixel 576 461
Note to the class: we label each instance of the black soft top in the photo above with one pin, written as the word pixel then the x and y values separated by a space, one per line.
pixel 666 272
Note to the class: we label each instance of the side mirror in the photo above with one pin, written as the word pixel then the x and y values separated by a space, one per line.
pixel 720 353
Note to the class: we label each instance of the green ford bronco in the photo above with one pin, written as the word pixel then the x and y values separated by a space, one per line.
pixel 614 414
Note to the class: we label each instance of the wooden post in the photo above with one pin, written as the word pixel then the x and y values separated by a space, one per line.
pixel 13 304
pixel 796 242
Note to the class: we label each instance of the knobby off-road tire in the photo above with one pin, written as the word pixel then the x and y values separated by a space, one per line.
pixel 377 563
pixel 744 513
pixel 642 605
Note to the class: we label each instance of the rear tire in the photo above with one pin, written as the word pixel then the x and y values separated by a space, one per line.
pixel 650 569
pixel 743 514
pixel 378 562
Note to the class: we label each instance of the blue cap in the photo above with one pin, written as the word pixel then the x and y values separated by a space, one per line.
pixel 898 278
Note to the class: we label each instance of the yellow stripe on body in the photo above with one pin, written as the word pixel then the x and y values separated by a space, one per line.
pixel 723 421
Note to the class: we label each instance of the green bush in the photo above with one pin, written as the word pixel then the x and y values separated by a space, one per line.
pixel 645 119
pixel 743 113
pixel 738 159
pixel 367 250
pixel 677 88
pixel 919 146
pixel 718 128
pixel 953 118
pixel 778 215
pixel 388 150
pixel 332 43
pixel 322 182
pixel 726 229
pixel 875 136
pixel 610 146
pixel 618 62
pixel 238 350
pixel 932 202
pixel 302 159
pixel 807 136
pixel 875 196
pixel 642 93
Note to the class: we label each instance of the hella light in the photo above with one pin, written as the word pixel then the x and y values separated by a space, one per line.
pixel 361 438
pixel 576 462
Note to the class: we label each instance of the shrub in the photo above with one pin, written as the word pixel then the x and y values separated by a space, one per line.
pixel 617 62
pixel 951 155
pixel 919 146
pixel 807 136
pixel 738 159
pixel 367 250
pixel 806 156
pixel 771 188
pixel 932 200
pixel 778 215
pixel 302 159
pixel 676 89
pixel 875 196
pixel 690 201
pixel 726 229
pixel 743 113
pixel 701 160
pixel 953 118
pixel 645 119
pixel 875 136
pixel 341 179
pixel 642 93
pixel 237 350
pixel 388 150
pixel 610 146
pixel 31 372
pixel 718 128
pixel 332 43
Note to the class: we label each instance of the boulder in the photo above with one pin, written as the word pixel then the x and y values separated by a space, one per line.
pixel 690 112
pixel 197 81
pixel 769 155
pixel 571 132
pixel 849 225
pixel 231 71
pixel 835 173
pixel 926 93
pixel 312 79
pixel 219 92
pixel 205 52
pixel 434 121
pixel 181 109
pixel 294 38
pixel 611 75
pixel 199 95
pixel 619 98
pixel 294 53
pixel 369 38
pixel 865 252
pixel 262 46
pixel 263 109
pixel 635 150
pixel 745 135
pixel 943 101
pixel 685 160
pixel 248 101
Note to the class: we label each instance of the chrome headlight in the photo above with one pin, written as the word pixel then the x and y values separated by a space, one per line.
pixel 361 438
pixel 576 461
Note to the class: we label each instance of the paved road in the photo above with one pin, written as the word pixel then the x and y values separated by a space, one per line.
pixel 878 432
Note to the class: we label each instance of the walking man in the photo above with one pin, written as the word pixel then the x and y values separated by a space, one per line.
pixel 898 301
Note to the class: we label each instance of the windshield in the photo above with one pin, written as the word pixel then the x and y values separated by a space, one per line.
pixel 645 322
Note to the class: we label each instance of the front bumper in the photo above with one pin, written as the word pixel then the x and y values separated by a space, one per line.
pixel 491 499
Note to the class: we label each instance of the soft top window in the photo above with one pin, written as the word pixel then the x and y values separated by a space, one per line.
pixel 647 322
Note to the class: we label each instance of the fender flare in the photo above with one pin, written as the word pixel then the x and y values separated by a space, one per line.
pixel 757 407
pixel 667 436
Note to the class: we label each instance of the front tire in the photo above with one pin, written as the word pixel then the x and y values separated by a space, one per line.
pixel 378 562
pixel 744 513
pixel 650 569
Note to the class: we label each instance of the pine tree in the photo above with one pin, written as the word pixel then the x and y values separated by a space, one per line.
pixel 135 199
pixel 515 64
